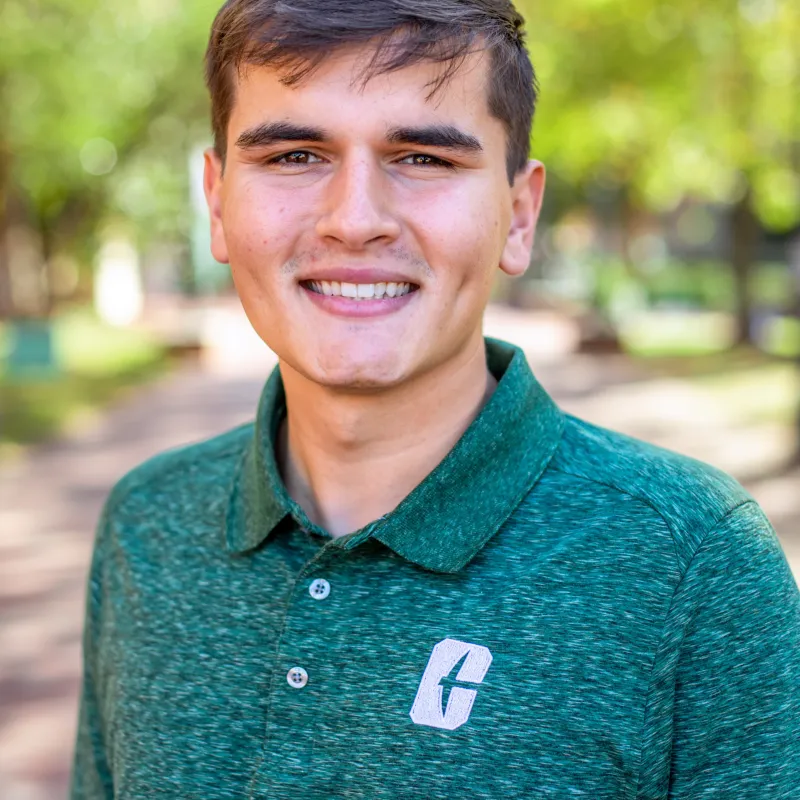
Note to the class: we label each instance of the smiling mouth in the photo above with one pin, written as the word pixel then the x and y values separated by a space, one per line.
pixel 360 291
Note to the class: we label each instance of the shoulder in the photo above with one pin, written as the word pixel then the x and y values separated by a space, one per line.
pixel 689 496
pixel 196 474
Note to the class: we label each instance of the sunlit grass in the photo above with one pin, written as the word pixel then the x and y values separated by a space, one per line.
pixel 85 346
pixel 676 333
pixel 754 386
pixel 765 393
pixel 95 363
pixel 782 337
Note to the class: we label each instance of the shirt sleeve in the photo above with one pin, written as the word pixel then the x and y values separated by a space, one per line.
pixel 91 776
pixel 736 713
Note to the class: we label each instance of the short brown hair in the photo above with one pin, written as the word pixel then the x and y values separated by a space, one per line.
pixel 295 36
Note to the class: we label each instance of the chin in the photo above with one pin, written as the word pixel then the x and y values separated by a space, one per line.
pixel 357 374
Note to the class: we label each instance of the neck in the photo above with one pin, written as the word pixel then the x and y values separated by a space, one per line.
pixel 348 459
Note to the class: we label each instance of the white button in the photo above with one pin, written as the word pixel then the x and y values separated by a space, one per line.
pixel 297 677
pixel 319 589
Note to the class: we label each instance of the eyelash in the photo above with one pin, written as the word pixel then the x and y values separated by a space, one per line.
pixel 439 162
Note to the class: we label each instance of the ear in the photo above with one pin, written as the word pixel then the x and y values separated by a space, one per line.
pixel 526 196
pixel 212 186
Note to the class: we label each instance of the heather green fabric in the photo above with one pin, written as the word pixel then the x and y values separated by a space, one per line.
pixel 641 619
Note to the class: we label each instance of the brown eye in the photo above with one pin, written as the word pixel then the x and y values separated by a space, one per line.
pixel 425 160
pixel 297 158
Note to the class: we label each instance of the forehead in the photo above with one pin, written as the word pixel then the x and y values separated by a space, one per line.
pixel 338 95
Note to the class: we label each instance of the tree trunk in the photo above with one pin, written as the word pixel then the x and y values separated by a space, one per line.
pixel 627 229
pixel 48 251
pixel 794 265
pixel 743 239
pixel 6 299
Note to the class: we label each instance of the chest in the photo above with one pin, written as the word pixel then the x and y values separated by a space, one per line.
pixel 316 673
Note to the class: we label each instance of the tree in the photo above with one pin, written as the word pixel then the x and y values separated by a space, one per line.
pixel 673 100
pixel 104 100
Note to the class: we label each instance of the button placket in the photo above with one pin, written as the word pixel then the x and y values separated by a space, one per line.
pixel 303 678
pixel 319 589
pixel 303 668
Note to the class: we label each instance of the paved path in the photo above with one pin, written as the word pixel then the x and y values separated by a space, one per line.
pixel 49 503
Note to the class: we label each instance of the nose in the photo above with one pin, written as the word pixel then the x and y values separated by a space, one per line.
pixel 357 205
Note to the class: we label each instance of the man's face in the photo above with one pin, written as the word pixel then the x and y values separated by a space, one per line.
pixel 331 190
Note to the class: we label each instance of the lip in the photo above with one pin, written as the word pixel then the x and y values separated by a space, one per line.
pixel 357 275
pixel 358 309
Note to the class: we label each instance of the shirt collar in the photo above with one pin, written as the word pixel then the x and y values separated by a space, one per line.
pixel 451 515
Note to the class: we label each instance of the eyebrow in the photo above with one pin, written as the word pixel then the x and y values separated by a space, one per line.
pixel 273 132
pixel 448 137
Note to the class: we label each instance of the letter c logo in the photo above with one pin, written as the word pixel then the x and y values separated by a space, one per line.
pixel 427 708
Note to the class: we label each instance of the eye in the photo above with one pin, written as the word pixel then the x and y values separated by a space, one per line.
pixel 425 160
pixel 299 158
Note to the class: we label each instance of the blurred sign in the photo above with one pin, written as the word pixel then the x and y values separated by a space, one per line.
pixel 32 353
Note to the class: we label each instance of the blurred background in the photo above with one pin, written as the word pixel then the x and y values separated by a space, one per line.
pixel 663 297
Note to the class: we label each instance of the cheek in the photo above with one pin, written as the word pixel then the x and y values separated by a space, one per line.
pixel 461 232
pixel 259 233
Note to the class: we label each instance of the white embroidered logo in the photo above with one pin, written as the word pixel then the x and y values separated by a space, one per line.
pixel 427 708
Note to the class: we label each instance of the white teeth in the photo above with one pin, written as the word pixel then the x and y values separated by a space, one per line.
pixel 360 291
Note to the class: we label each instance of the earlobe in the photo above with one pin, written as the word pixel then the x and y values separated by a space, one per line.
pixel 527 194
pixel 212 186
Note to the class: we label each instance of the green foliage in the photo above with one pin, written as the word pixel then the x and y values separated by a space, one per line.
pixel 105 99
pixel 672 99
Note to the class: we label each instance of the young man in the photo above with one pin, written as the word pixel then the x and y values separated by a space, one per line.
pixel 413 576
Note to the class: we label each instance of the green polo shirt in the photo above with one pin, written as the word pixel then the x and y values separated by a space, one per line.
pixel 556 611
